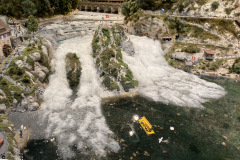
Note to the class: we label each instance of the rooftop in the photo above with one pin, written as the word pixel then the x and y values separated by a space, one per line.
pixel 165 37
pixel 4 28
pixel 208 51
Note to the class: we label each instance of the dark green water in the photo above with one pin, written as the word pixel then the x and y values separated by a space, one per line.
pixel 197 135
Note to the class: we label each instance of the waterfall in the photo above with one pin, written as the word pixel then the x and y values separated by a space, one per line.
pixel 161 82
pixel 79 123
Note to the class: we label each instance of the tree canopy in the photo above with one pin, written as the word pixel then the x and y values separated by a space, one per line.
pixel 32 24
pixel 29 8
pixel 40 8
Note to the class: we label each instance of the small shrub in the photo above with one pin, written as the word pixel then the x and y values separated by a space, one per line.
pixel 191 49
pixel 237 14
pixel 228 11
pixel 214 5
pixel 26 79
pixel 236 66
pixel 203 67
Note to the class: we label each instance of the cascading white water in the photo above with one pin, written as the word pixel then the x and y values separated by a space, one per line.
pixel 79 123
pixel 163 83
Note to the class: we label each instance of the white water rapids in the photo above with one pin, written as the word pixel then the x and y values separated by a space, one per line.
pixel 81 123
pixel 163 83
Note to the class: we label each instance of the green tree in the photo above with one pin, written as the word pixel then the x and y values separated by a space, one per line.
pixel 214 5
pixel 29 8
pixel 129 8
pixel 236 66
pixel 32 24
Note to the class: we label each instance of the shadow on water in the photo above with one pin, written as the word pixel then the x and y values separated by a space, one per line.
pixel 198 134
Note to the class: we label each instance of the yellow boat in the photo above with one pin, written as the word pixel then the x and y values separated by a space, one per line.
pixel 146 125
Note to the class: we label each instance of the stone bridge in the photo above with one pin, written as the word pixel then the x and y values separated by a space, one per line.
pixel 106 6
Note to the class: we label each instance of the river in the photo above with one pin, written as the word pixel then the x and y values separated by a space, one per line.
pixel 203 111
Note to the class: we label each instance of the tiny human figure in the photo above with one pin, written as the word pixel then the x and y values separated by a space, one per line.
pixel 21 134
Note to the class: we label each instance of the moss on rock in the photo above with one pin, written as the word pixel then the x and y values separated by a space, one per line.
pixel 73 69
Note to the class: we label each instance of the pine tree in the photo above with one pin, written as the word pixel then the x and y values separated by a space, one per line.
pixel 32 24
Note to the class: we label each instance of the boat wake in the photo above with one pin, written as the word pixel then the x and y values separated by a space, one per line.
pixel 160 82
pixel 79 123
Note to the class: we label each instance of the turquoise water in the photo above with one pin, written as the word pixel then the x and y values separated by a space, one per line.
pixel 198 134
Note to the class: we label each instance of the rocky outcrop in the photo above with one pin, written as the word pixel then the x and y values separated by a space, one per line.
pixel 23 64
pixel 148 26
pixel 2 108
pixel 28 104
pixel 40 71
pixel 73 69
pixel 35 56
pixel 45 51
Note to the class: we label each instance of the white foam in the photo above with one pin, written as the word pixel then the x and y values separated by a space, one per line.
pixel 163 83
pixel 79 123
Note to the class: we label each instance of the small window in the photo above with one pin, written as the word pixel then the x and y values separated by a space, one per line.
pixel 6 35
pixel 1 37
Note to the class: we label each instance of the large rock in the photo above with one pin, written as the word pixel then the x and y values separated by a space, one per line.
pixel 33 107
pixel 60 32
pixel 15 103
pixel 23 64
pixel 40 74
pixel 73 69
pixel 40 71
pixel 2 108
pixel 45 51
pixel 19 63
pixel 153 28
pixel 36 56
pixel 2 94
pixel 27 104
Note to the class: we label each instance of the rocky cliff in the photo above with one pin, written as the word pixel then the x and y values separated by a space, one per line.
pixel 73 69
pixel 108 58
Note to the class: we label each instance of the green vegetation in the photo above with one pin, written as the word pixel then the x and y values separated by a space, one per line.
pixel 191 49
pixel 110 84
pixel 236 66
pixel 31 49
pixel 176 26
pixel 95 46
pixel 8 134
pixel 215 64
pixel 229 10
pixel 106 34
pixel 220 25
pixel 11 91
pixel 109 61
pixel 32 24
pixel 214 5
pixel 28 7
pixel 237 14
pixel 73 69
pixel 41 8
pixel 131 8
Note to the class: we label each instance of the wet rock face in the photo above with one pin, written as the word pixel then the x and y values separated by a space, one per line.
pixel 73 69
pixel 127 47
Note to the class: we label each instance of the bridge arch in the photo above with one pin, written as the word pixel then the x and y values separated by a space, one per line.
pixel 108 6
